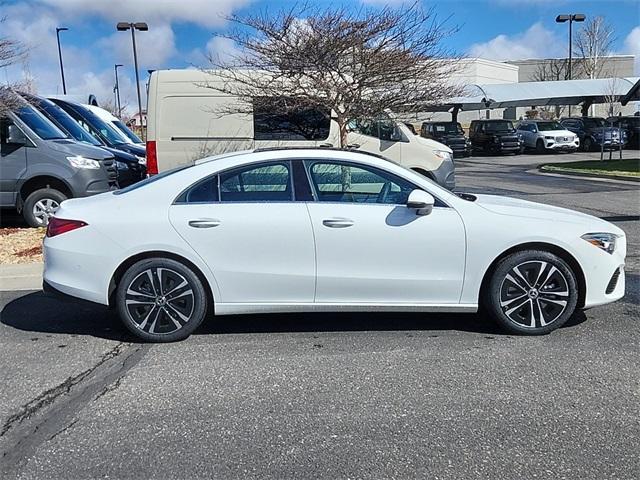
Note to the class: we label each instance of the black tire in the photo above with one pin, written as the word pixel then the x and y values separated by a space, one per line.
pixel 587 145
pixel 540 148
pixel 40 205
pixel 161 311
pixel 539 300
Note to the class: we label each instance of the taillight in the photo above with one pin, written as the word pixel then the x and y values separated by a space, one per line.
pixel 152 158
pixel 58 226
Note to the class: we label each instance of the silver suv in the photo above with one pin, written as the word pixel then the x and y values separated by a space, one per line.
pixel 546 135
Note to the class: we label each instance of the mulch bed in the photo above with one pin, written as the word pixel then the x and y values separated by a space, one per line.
pixel 21 245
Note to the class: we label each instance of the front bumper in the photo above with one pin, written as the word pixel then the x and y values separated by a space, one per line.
pixel 599 267
pixel 445 175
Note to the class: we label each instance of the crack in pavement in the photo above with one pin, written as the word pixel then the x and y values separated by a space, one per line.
pixel 54 411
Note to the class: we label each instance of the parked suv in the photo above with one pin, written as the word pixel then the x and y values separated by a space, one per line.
pixel 546 135
pixel 494 136
pixel 631 125
pixel 42 166
pixel 449 133
pixel 107 133
pixel 595 133
pixel 129 168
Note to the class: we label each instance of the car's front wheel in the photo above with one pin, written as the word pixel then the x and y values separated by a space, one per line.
pixel 532 292
pixel 161 300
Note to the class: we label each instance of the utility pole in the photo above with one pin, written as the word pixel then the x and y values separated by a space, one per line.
pixel 118 91
pixel 571 17
pixel 58 30
pixel 143 27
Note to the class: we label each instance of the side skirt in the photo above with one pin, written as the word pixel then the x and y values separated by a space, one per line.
pixel 245 308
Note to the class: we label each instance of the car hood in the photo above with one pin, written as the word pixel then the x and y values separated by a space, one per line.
pixel 73 148
pixel 525 209
pixel 121 155
pixel 557 133
pixel 132 148
pixel 432 144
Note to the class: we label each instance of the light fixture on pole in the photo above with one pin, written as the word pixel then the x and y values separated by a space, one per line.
pixel 143 27
pixel 571 17
pixel 115 67
pixel 58 30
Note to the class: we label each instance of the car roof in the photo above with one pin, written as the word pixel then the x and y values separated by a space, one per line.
pixel 101 113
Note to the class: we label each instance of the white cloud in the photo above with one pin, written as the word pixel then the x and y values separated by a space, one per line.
pixel 632 46
pixel 155 47
pixel 535 42
pixel 208 13
pixel 217 48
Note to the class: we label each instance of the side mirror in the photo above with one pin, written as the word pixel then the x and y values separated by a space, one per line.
pixel 421 201
pixel 15 136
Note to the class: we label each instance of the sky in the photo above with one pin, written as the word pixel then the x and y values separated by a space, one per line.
pixel 181 32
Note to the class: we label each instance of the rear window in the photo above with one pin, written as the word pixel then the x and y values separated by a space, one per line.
pixel 151 179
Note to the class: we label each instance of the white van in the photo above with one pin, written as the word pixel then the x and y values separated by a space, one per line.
pixel 186 121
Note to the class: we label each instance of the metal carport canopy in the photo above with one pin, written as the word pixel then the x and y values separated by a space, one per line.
pixel 527 94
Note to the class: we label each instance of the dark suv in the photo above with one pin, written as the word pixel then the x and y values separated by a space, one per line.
pixel 631 124
pixel 595 133
pixel 449 133
pixel 495 136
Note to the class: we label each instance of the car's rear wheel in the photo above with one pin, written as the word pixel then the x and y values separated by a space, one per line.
pixel 532 292
pixel 161 300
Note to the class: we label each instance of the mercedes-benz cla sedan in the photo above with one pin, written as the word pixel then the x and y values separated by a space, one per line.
pixel 302 230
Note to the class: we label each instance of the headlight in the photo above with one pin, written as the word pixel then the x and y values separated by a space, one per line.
pixel 604 241
pixel 82 162
pixel 121 165
pixel 141 160
pixel 443 154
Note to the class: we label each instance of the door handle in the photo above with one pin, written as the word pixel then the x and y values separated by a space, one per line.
pixel 337 222
pixel 204 223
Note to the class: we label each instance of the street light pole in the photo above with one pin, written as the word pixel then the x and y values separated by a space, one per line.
pixel 118 90
pixel 143 27
pixel 571 17
pixel 58 30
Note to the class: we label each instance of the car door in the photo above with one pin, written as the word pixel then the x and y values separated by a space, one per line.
pixel 372 249
pixel 255 238
pixel 13 160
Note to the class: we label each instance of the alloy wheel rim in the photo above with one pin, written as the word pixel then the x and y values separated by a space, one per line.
pixel 534 294
pixel 160 301
pixel 44 209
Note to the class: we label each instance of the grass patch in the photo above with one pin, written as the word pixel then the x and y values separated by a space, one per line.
pixel 628 167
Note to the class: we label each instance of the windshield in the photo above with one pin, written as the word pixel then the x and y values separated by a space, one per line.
pixel 61 118
pixel 39 124
pixel 546 126
pixel 108 132
pixel 594 122
pixel 449 128
pixel 502 126
pixel 127 131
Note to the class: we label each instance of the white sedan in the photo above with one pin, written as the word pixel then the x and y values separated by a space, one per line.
pixel 324 230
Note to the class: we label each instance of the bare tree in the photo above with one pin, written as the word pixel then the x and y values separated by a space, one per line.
pixel 553 69
pixel 11 52
pixel 356 64
pixel 592 42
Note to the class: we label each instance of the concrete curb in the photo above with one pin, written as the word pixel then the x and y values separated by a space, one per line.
pixel 21 276
pixel 595 178
pixel 568 172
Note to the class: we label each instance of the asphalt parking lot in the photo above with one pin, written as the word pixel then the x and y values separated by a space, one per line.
pixel 334 396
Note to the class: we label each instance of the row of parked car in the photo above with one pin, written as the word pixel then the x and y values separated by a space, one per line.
pixel 53 149
pixel 568 134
